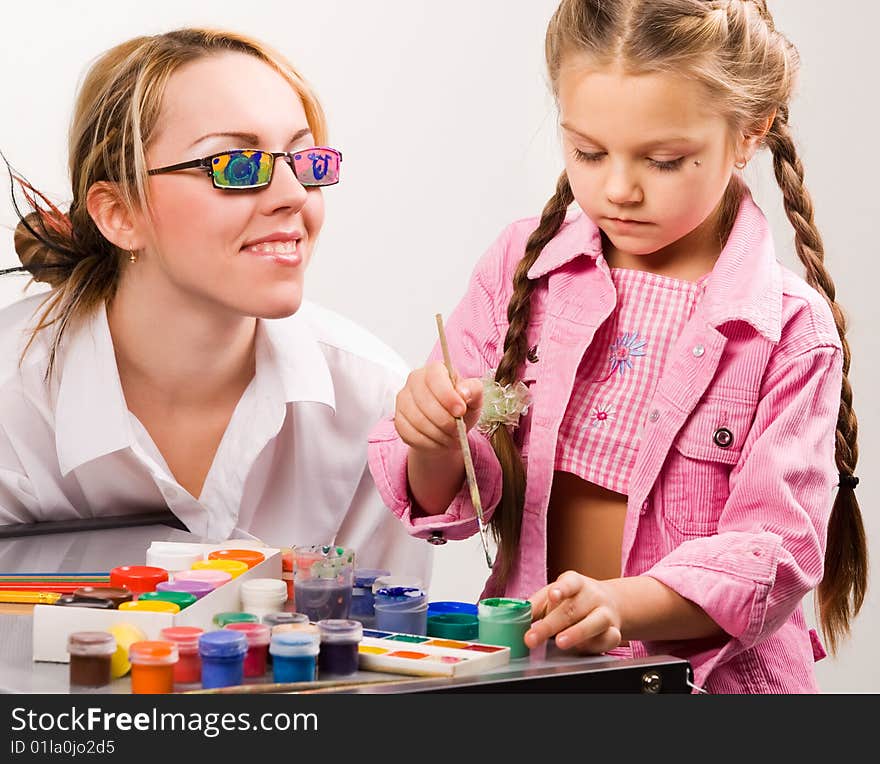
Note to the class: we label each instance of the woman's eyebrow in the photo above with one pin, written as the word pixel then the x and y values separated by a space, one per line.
pixel 677 139
pixel 249 140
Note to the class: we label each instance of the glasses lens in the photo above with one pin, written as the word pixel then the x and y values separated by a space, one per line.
pixel 242 169
pixel 317 166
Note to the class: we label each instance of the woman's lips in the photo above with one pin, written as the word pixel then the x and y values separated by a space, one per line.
pixel 282 252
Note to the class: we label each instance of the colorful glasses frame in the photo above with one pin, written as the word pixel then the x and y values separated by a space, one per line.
pixel 317 166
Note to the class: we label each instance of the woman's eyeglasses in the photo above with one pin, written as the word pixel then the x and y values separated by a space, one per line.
pixel 246 169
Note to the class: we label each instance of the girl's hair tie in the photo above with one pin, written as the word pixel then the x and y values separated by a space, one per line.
pixel 848 481
pixel 503 405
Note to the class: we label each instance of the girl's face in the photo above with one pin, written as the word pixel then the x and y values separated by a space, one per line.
pixel 631 143
pixel 241 251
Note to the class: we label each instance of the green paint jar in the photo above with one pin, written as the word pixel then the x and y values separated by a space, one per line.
pixel 182 599
pixel 505 622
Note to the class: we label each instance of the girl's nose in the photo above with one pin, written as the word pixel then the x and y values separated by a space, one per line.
pixel 622 186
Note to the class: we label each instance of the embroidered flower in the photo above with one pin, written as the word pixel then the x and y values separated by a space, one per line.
pixel 502 404
pixel 601 415
pixel 626 347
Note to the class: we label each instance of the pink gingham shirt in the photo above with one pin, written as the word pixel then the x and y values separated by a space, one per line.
pixel 600 431
pixel 734 522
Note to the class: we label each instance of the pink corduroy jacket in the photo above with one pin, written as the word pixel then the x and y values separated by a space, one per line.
pixel 733 482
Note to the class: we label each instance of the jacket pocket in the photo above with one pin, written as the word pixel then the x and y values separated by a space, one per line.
pixel 696 480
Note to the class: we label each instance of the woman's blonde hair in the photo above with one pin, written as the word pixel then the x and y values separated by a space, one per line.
pixel 116 115
pixel 748 69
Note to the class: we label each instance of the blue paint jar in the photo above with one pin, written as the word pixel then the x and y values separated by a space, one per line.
pixel 222 653
pixel 295 655
pixel 339 646
pixel 402 609
pixel 362 595
pixel 438 608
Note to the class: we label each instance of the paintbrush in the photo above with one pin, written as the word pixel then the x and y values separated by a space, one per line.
pixel 465 448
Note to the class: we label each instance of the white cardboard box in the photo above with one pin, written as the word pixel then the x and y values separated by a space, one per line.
pixel 53 624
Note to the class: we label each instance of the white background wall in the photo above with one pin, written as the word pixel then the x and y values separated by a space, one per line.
pixel 448 131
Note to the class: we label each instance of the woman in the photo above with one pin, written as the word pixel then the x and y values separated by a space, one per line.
pixel 173 363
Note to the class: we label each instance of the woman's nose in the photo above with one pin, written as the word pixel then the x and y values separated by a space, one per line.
pixel 285 190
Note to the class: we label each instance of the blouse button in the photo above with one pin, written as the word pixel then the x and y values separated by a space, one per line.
pixel 437 538
pixel 699 351
pixel 723 437
pixel 654 415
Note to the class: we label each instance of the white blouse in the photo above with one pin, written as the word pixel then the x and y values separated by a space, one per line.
pixel 290 469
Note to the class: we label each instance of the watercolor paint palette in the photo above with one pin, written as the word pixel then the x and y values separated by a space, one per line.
pixel 416 655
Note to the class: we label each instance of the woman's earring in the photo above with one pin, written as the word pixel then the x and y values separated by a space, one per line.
pixel 741 165
pixel 132 256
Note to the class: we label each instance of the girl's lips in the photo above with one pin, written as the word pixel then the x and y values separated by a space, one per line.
pixel 626 225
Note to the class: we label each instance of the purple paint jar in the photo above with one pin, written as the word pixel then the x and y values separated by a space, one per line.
pixel 402 609
pixel 339 646
pixel 222 653
pixel 362 595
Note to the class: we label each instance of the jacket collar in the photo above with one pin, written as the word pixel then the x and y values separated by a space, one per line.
pixel 745 284
pixel 92 417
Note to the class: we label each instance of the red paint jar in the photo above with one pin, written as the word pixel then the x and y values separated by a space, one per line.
pixel 258 637
pixel 137 578
pixel 188 669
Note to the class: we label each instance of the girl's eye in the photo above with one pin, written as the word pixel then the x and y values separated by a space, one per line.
pixel 583 156
pixel 671 164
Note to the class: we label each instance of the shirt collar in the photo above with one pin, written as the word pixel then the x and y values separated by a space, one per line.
pixel 745 284
pixel 91 415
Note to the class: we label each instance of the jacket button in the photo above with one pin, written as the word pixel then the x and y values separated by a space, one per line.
pixel 437 538
pixel 699 351
pixel 723 437
pixel 644 508
pixel 532 355
pixel 654 415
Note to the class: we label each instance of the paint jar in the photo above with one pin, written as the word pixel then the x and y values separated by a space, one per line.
pixel 322 581
pixel 362 595
pixel 181 599
pixel 262 595
pixel 173 557
pixel 249 557
pixel 90 653
pixel 100 594
pixel 220 620
pixel 125 635
pixel 283 617
pixel 188 669
pixel 505 621
pixel 339 646
pixel 287 573
pixel 214 577
pixel 222 653
pixel 151 606
pixel 401 608
pixel 68 600
pixel 295 654
pixel 258 635
pixel 152 666
pixel 461 626
pixel 137 578
pixel 197 588
pixel 234 567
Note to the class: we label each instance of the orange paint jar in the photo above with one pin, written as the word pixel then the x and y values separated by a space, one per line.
pixel 152 666
pixel 249 557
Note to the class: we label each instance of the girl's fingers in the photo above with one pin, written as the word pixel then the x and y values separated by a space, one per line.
pixel 438 382
pixel 584 631
pixel 418 431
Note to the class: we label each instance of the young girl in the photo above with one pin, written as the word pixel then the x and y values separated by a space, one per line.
pixel 172 363
pixel 672 475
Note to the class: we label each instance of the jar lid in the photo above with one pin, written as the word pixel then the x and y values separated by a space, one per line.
pixel 295 643
pixel 208 575
pixel 257 634
pixel 91 643
pixel 137 578
pixel 221 619
pixel 335 630
pixel 396 581
pixel 399 593
pixel 234 567
pixel 152 652
pixel 249 557
pixel 186 637
pixel 181 599
pixel 435 608
pixel 277 619
pixel 101 593
pixel 264 587
pixel 173 558
pixel 70 600
pixel 282 627
pixel 366 576
pixel 198 588
pixel 151 606
pixel 223 643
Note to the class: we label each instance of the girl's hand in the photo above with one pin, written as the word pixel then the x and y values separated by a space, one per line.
pixel 427 405
pixel 582 612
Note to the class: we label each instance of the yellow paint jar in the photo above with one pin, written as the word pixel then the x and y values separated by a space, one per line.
pixel 125 634
pixel 151 606
pixel 234 567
